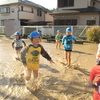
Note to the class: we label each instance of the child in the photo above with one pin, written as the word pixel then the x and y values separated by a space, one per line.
pixel 94 80
pixel 40 33
pixel 67 42
pixel 98 53
pixel 31 54
pixel 17 44
pixel 57 38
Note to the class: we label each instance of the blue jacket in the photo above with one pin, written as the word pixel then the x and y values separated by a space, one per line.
pixel 67 41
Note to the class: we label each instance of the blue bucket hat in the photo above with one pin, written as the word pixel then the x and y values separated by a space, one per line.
pixel 34 34
pixel 16 33
pixel 39 31
pixel 68 29
pixel 58 31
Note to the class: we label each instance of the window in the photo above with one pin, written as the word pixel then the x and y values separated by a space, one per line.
pixel 91 22
pixel 66 22
pixel 32 10
pixel 12 10
pixel 5 10
pixel 2 23
pixel 21 8
pixel 93 4
pixel 39 12
pixel 65 3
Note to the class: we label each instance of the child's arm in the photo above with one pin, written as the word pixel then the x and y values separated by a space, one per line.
pixel 23 55
pixel 74 39
pixel 45 54
pixel 94 82
pixel 24 43
pixel 92 79
pixel 13 44
pixel 91 84
pixel 55 37
pixel 63 39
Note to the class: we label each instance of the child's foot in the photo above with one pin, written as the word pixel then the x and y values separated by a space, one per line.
pixel 22 74
pixel 16 57
pixel 68 65
pixel 36 88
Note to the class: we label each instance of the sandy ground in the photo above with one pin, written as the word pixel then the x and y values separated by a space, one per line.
pixel 57 81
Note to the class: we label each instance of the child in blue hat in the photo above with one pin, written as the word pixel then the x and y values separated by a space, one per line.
pixel 67 41
pixel 40 31
pixel 57 38
pixel 30 56
pixel 17 44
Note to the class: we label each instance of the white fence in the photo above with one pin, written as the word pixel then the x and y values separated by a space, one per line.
pixel 50 31
pixel 2 29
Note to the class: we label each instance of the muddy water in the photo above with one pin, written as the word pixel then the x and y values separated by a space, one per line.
pixel 58 81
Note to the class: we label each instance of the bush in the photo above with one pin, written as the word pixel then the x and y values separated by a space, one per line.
pixel 93 34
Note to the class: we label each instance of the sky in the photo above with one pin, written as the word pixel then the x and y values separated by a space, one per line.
pixel 46 3
pixel 50 4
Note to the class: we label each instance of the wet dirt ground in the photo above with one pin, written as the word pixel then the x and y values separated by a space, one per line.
pixel 58 82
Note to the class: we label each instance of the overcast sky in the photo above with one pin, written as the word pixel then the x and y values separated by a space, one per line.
pixel 50 4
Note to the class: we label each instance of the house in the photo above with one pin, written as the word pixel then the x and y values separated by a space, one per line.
pixel 77 12
pixel 27 12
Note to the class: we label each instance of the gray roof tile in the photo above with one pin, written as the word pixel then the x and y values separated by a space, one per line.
pixel 26 2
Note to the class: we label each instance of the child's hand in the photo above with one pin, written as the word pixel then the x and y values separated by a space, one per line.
pixel 73 40
pixel 13 47
pixel 51 61
pixel 25 65
pixel 96 79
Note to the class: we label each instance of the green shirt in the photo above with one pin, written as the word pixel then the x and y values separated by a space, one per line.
pixel 57 37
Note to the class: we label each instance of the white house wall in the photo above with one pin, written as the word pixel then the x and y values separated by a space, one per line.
pixel 48 17
pixel 39 18
pixel 26 14
pixel 82 20
pixel 10 15
pixel 97 5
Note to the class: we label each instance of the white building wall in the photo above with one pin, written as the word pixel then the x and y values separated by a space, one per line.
pixel 82 20
pixel 11 26
pixel 48 17
pixel 97 5
pixel 25 14
pixel 11 15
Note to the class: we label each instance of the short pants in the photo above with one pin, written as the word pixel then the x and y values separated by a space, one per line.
pixel 18 48
pixel 68 50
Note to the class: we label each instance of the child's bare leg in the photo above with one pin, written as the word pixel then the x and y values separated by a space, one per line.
pixel 56 44
pixel 35 73
pixel 22 74
pixel 69 62
pixel 19 53
pixel 16 53
pixel 36 77
pixel 27 74
pixel 59 44
pixel 66 56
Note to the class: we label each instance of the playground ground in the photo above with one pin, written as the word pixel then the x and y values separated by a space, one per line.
pixel 58 82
